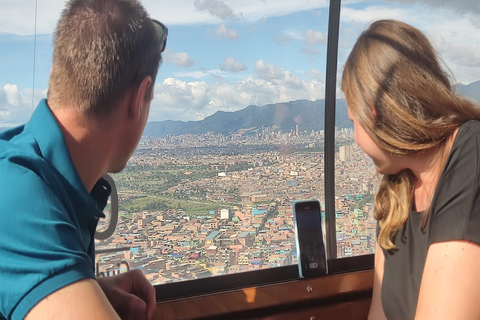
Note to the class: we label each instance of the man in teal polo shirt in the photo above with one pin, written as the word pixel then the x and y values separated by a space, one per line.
pixel 105 60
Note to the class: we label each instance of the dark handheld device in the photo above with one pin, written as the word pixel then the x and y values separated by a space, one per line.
pixel 312 261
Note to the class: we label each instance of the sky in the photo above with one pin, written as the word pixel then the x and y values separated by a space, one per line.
pixel 229 54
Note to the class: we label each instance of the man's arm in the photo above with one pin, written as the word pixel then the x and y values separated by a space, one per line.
pixel 83 299
pixel 376 309
pixel 450 287
pixel 130 294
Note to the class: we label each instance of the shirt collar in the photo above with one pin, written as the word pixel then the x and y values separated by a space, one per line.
pixel 52 145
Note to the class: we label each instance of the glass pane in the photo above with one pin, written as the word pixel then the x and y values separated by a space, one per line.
pixel 235 135
pixel 17 39
pixel 453 29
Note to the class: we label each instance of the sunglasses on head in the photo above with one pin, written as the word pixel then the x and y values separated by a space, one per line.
pixel 162 32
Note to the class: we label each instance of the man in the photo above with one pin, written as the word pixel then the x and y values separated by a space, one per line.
pixel 105 60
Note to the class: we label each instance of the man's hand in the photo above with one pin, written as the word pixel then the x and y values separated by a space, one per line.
pixel 130 294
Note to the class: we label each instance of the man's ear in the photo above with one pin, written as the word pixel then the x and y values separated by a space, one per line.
pixel 138 98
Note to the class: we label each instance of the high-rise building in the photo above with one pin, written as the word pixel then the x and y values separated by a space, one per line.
pixel 344 152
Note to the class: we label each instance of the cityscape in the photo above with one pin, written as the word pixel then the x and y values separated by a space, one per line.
pixel 199 206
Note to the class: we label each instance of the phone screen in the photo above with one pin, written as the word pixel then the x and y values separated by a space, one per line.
pixel 309 235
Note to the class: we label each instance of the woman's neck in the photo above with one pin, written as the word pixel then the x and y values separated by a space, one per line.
pixel 427 167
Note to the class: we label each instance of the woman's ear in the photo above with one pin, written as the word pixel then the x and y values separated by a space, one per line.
pixel 374 112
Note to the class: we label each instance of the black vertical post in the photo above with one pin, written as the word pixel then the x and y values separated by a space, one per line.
pixel 329 152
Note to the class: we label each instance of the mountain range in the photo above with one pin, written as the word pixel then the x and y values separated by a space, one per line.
pixel 308 115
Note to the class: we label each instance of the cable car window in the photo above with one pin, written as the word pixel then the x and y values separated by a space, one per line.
pixel 235 134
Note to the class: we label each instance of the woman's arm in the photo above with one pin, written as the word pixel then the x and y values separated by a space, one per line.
pixel 450 287
pixel 376 309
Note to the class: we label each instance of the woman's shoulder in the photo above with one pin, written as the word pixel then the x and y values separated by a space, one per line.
pixel 471 126
pixel 468 135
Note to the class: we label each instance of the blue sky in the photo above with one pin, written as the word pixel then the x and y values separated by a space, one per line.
pixel 226 55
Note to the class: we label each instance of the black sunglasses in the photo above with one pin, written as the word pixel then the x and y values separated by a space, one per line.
pixel 162 32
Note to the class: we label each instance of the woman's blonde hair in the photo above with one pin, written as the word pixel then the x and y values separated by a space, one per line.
pixel 398 91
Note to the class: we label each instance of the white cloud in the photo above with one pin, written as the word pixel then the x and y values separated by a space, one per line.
pixel 294 35
pixel 454 35
pixel 232 65
pixel 316 13
pixel 462 58
pixel 310 51
pixel 315 74
pixel 182 100
pixel 253 10
pixel 178 100
pixel 223 33
pixel 3 101
pixel 288 36
pixel 361 18
pixel 16 105
pixel 314 37
pixel 218 9
pixel 460 6
pixel 179 59
pixel 475 20
pixel 268 72
pixel 178 92
pixel 461 53
pixel 310 37
pixel 283 39
pixel 11 95
pixel 17 16
pixel 197 74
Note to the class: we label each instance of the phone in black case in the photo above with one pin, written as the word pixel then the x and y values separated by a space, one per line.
pixel 312 261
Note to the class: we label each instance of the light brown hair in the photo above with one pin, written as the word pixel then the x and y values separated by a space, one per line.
pixel 101 48
pixel 397 90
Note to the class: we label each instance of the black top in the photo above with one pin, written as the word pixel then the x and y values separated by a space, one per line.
pixel 455 215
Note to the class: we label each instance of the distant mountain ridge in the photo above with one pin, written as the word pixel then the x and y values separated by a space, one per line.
pixel 308 115
pixel 472 90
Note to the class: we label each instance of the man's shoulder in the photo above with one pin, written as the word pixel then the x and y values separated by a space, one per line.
pixel 17 142
pixel 20 157
pixel 23 170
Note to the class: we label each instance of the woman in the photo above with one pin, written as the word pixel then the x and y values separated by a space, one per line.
pixel 425 142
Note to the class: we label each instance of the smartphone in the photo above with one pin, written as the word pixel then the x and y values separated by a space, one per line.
pixel 312 261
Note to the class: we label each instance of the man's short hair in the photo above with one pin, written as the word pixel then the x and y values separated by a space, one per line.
pixel 101 48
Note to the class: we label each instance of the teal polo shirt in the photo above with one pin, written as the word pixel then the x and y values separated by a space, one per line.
pixel 47 216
